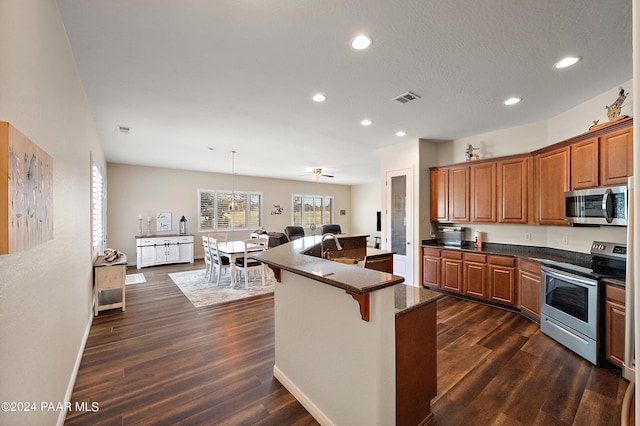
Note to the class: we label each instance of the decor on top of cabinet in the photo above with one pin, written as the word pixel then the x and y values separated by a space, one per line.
pixel 163 221
pixel 613 111
pixel 470 155
pixel 184 226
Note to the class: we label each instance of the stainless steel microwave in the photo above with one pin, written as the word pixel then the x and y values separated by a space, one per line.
pixel 596 206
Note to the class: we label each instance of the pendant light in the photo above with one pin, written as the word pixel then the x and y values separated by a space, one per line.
pixel 233 204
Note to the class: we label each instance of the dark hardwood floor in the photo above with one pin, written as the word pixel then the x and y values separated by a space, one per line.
pixel 165 362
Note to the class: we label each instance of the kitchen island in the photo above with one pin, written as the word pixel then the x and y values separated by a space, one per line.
pixel 355 346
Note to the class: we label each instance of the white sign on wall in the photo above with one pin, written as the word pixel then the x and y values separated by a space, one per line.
pixel 163 222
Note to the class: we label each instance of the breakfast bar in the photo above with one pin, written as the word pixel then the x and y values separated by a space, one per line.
pixel 353 345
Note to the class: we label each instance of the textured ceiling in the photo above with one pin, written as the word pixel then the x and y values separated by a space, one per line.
pixel 190 75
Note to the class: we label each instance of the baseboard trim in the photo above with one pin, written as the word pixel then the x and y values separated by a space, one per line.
pixel 302 397
pixel 76 368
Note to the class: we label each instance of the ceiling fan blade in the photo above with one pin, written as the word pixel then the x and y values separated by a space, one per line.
pixel 328 176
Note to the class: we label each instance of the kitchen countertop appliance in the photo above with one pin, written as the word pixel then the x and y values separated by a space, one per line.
pixel 451 235
pixel 570 298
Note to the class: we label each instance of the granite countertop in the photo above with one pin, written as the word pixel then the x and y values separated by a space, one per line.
pixel 532 253
pixel 409 298
pixel 347 277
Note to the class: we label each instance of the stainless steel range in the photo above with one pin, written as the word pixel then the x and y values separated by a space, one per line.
pixel 570 299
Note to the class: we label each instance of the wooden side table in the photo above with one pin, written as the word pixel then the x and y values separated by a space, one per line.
pixel 108 283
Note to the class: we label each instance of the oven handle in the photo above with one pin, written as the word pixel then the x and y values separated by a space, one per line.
pixel 605 200
pixel 569 277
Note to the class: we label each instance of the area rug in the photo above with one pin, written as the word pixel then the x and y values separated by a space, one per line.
pixel 134 279
pixel 200 292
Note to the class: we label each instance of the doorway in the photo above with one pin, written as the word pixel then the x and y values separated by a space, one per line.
pixel 399 235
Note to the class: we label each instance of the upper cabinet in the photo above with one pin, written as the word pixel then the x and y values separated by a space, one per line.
pixel 513 190
pixel 584 164
pixel 483 192
pixel 553 179
pixel 529 188
pixel 616 157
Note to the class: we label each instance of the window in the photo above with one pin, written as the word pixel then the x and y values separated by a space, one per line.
pixel 214 213
pixel 312 209
pixel 98 210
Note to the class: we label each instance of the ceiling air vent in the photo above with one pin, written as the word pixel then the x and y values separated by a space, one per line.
pixel 406 97
pixel 124 129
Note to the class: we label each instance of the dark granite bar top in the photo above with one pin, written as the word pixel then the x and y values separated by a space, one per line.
pixel 409 298
pixel 347 277
pixel 532 253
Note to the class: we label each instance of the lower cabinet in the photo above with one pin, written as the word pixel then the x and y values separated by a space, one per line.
pixel 452 271
pixel 431 267
pixel 475 275
pixel 529 276
pixel 152 251
pixel 502 280
pixel 614 324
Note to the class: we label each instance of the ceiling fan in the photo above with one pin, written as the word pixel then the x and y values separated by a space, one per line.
pixel 317 174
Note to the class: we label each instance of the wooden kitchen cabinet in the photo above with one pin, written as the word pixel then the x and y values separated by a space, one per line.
pixel 451 276
pixel 513 190
pixel 616 157
pixel 614 324
pixel 502 280
pixel 431 267
pixel 459 194
pixel 475 275
pixel 439 199
pixel 553 180
pixel 529 288
pixel 483 192
pixel 585 164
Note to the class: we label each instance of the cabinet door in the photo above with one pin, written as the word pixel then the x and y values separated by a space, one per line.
pixel 584 164
pixel 459 194
pixel 173 253
pixel 483 192
pixel 530 294
pixel 553 180
pixel 452 273
pixel 431 271
pixel 439 202
pixel 185 252
pixel 146 256
pixel 513 190
pixel 475 279
pixel 614 324
pixel 160 254
pixel 616 157
pixel 502 280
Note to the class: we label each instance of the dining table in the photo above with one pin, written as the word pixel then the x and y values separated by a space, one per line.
pixel 233 250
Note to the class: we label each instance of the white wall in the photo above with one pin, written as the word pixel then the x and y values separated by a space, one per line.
pixel 528 138
pixel 365 203
pixel 45 292
pixel 134 190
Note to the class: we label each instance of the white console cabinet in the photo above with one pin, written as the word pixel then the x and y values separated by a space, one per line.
pixel 162 250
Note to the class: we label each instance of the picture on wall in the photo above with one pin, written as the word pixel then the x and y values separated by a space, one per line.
pixel 26 182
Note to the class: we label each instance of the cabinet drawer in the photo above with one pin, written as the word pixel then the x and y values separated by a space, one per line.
pixel 502 260
pixel 531 267
pixel 615 293
pixel 450 254
pixel 185 240
pixel 430 252
pixel 473 257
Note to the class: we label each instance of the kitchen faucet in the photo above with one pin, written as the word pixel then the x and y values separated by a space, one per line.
pixel 324 237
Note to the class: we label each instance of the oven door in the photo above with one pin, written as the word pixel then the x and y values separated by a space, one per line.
pixel 571 300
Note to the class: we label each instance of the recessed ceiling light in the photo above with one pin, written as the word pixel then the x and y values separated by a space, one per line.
pixel 361 42
pixel 366 122
pixel 567 62
pixel 512 101
pixel 401 133
pixel 319 97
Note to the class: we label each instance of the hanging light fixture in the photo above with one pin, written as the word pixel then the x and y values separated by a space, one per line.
pixel 233 204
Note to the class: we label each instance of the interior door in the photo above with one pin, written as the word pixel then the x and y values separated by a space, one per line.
pixel 399 190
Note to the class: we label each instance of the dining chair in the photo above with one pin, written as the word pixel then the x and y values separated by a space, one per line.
pixel 294 232
pixel 331 228
pixel 246 265
pixel 207 257
pixel 221 237
pixel 217 261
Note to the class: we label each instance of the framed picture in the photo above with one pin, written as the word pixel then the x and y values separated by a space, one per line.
pixel 163 222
